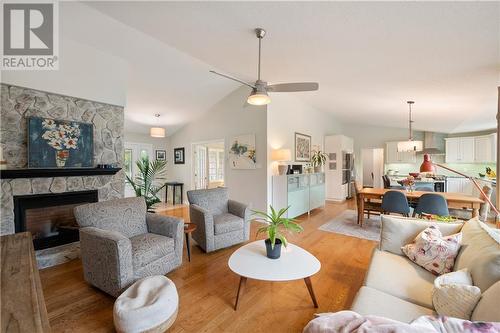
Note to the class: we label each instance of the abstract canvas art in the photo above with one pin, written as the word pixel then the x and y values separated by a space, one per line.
pixel 242 152
pixel 302 147
pixel 59 144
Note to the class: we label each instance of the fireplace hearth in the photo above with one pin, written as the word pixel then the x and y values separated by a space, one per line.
pixel 49 217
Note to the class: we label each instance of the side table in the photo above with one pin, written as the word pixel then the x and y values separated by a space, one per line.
pixel 174 186
pixel 188 230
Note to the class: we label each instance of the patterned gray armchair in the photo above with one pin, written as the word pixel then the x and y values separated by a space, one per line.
pixel 121 243
pixel 220 222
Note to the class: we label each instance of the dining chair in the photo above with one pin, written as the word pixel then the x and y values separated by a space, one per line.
pixel 395 202
pixel 431 203
pixel 371 206
pixel 387 183
pixel 425 187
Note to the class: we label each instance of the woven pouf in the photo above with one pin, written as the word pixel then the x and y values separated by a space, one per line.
pixel 149 305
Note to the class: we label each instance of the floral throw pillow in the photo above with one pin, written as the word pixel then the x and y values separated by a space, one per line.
pixel 433 251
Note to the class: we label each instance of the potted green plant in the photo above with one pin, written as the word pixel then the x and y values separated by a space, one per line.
pixel 147 182
pixel 276 226
pixel 318 159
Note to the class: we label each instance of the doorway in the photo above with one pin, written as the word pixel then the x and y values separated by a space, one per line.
pixel 208 164
pixel 133 152
pixel 372 160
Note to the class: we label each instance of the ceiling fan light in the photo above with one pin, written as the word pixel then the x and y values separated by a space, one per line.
pixel 157 132
pixel 258 98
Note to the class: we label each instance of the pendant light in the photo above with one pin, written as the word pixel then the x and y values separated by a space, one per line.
pixel 157 132
pixel 410 145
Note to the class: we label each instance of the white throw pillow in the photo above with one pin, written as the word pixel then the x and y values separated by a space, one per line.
pixel 454 295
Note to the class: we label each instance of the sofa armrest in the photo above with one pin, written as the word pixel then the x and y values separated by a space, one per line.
pixel 106 259
pixel 168 226
pixel 238 209
pixel 398 231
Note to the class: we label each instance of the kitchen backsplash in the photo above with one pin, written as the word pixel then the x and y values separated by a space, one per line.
pixel 468 169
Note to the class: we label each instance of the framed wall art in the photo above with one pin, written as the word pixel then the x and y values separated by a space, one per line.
pixel 302 147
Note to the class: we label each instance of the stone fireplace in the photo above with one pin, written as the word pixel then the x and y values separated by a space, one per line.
pixel 18 103
pixel 49 217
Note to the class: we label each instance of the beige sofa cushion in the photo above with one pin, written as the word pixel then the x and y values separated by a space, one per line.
pixel 370 301
pixel 397 231
pixel 398 276
pixel 487 309
pixel 480 253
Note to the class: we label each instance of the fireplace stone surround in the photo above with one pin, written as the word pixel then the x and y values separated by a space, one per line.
pixel 18 103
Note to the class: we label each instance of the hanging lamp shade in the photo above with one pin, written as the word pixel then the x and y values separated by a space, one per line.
pixel 427 165
pixel 157 132
pixel 410 145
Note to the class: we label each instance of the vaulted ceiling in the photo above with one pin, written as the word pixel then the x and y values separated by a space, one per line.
pixel 368 57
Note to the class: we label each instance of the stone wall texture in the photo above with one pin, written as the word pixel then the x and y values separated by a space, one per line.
pixel 18 103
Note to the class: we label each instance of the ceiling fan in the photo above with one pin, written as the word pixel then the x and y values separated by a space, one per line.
pixel 260 88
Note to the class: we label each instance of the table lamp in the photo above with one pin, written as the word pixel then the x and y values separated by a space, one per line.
pixel 281 155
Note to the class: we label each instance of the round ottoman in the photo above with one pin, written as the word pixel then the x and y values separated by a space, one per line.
pixel 149 305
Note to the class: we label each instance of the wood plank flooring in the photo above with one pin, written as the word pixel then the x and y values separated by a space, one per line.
pixel 207 288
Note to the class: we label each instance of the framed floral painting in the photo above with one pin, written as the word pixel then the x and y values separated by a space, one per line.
pixel 60 144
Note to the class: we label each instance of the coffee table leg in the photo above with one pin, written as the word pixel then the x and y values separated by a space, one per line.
pixel 307 280
pixel 188 246
pixel 243 280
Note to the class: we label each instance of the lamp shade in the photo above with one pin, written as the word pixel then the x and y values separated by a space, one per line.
pixel 427 165
pixel 157 132
pixel 281 155
pixel 410 145
pixel 258 97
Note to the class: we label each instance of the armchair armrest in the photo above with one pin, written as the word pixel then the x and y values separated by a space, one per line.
pixel 168 226
pixel 399 231
pixel 238 209
pixel 107 259
pixel 204 220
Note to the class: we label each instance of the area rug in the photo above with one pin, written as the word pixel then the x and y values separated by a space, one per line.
pixel 346 224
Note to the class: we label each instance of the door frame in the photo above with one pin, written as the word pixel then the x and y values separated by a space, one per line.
pixel 193 161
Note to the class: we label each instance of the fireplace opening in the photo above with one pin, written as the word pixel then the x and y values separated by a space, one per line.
pixel 49 217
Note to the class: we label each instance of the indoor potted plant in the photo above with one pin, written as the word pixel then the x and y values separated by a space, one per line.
pixel 149 180
pixel 276 226
pixel 318 159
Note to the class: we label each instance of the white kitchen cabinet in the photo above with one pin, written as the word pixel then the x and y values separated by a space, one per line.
pixel 460 150
pixel 393 156
pixel 485 148
pixel 459 185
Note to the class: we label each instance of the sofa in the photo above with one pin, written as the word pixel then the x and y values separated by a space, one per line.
pixel 120 243
pixel 220 222
pixel 398 289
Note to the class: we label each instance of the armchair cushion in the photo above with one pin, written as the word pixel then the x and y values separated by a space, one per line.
pixel 148 247
pixel 214 200
pixel 225 223
pixel 126 216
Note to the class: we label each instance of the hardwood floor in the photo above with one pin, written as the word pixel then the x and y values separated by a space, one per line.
pixel 207 288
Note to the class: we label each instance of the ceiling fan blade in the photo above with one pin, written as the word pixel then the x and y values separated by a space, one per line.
pixel 234 79
pixel 291 87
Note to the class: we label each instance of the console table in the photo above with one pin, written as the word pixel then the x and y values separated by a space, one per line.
pixel 174 185
pixel 23 305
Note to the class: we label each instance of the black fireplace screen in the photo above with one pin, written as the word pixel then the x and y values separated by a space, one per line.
pixel 49 217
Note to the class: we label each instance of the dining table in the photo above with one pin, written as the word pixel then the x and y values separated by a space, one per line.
pixel 453 199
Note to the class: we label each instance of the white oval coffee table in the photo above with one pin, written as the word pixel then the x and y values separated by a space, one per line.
pixel 250 262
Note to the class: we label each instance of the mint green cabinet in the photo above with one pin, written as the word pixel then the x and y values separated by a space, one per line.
pixel 301 192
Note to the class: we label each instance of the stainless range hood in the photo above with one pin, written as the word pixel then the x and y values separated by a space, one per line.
pixel 433 143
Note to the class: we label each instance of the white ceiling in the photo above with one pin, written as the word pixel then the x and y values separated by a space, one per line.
pixel 369 58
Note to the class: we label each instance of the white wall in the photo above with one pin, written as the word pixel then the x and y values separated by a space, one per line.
pixel 84 72
pixel 287 114
pixel 227 119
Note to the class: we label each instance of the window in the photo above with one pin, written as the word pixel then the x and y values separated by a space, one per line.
pixel 127 162
pixel 215 165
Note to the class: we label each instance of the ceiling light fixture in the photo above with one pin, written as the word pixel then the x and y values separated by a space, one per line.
pixel 410 145
pixel 157 132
